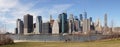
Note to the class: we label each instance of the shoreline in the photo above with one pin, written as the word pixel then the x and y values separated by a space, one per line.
pixel 34 41
pixel 16 41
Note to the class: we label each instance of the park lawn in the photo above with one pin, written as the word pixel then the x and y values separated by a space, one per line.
pixel 104 43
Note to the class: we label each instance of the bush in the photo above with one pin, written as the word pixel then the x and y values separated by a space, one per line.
pixel 4 39
pixel 112 36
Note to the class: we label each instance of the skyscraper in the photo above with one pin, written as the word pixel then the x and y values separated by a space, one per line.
pixel 55 28
pixel 76 18
pixel 45 28
pixel 71 24
pixel 98 26
pixel 16 30
pixel 20 26
pixel 28 24
pixel 81 17
pixel 106 28
pixel 50 17
pixel 90 19
pixel 76 25
pixel 86 26
pixel 34 28
pixel 51 23
pixel 64 22
pixel 81 22
pixel 85 15
pixel 60 23
pixel 92 27
pixel 38 25
pixel 105 20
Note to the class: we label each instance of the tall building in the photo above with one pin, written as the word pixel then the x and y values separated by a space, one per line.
pixel 59 18
pixel 38 25
pixel 81 17
pixel 55 28
pixel 51 17
pixel 71 24
pixel 64 23
pixel 98 26
pixel 60 23
pixel 86 26
pixel 85 15
pixel 90 19
pixel 20 26
pixel 106 28
pixel 34 28
pixel 92 27
pixel 45 28
pixel 81 22
pixel 105 20
pixel 28 24
pixel 16 30
pixel 76 25
pixel 51 23
pixel 76 18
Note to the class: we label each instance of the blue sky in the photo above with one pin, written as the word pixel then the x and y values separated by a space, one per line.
pixel 10 10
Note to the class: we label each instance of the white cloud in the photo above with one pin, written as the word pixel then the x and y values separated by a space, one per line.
pixel 59 8
pixel 8 3
pixel 5 5
pixel 14 9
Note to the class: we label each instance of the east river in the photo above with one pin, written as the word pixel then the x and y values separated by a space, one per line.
pixel 80 38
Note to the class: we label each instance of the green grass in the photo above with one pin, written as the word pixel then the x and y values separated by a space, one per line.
pixel 105 43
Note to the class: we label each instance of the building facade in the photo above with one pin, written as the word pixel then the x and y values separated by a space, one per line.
pixel 85 15
pixel 76 26
pixel 16 30
pixel 105 20
pixel 63 23
pixel 55 28
pixel 71 24
pixel 81 23
pixel 81 17
pixel 19 26
pixel 45 28
pixel 28 24
pixel 86 26
pixel 38 25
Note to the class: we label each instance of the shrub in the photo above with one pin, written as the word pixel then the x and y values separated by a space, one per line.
pixel 4 39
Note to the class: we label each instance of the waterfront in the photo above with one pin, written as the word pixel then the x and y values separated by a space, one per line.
pixel 49 38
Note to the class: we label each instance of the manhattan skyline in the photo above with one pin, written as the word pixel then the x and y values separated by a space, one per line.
pixel 10 10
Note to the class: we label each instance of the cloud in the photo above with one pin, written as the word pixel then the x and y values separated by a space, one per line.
pixel 59 8
pixel 10 10
pixel 5 5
